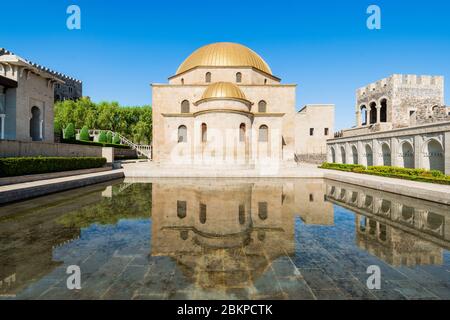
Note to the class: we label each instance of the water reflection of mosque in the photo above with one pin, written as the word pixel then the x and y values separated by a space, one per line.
pixel 399 230
pixel 228 233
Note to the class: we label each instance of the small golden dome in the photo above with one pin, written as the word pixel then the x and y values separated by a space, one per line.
pixel 223 90
pixel 224 54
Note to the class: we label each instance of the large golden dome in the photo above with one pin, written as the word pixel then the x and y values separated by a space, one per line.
pixel 224 54
pixel 223 90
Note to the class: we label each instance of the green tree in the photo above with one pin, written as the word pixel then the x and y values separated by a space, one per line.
pixel 69 132
pixel 84 134
pixel 134 123
pixel 102 137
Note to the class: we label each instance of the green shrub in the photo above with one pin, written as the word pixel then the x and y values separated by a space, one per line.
pixel 341 167
pixel 96 144
pixel 116 139
pixel 109 137
pixel 422 175
pixel 34 165
pixel 69 132
pixel 102 137
pixel 84 134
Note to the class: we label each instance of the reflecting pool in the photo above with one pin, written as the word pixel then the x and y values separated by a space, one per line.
pixel 225 239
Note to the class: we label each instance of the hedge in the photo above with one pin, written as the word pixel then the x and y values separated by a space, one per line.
pixel 421 175
pixel 34 165
pixel 341 167
pixel 96 144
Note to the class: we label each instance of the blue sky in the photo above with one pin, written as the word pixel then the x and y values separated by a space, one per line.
pixel 323 46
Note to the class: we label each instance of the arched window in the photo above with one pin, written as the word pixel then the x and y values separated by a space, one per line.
pixel 185 106
pixel 181 209
pixel 383 111
pixel 238 77
pixel 35 124
pixel 363 115
pixel 435 154
pixel 262 106
pixel 182 134
pixel 182 81
pixel 343 156
pixel 202 213
pixel 262 210
pixel 208 77
pixel 354 155
pixel 242 132
pixel 407 155
pixel 263 133
pixel 204 132
pixel 373 112
pixel 241 213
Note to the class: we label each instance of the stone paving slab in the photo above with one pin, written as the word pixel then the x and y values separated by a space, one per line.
pixel 22 191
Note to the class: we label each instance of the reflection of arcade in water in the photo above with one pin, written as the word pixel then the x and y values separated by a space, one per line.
pixel 399 230
pixel 226 234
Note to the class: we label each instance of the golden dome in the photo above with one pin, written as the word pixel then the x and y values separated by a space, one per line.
pixel 223 90
pixel 224 54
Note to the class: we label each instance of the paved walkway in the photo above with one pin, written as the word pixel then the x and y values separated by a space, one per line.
pixel 151 170
pixel 22 191
pixel 422 190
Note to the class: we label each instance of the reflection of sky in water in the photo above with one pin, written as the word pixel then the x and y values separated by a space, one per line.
pixel 297 255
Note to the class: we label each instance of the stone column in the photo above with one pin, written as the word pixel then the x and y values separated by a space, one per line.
pixel 358 119
pixel 394 152
pixel 376 150
pixel 418 152
pixel 329 156
pixel 2 125
pixel 360 153
pixel 378 113
pixel 41 129
pixel 447 152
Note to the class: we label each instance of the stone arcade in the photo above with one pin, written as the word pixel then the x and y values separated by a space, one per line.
pixel 400 121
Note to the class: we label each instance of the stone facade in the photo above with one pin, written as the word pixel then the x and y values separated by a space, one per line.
pixel 235 125
pixel 71 89
pixel 27 95
pixel 314 124
pixel 399 101
pixel 67 89
pixel 406 125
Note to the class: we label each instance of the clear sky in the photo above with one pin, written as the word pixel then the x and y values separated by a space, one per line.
pixel 324 46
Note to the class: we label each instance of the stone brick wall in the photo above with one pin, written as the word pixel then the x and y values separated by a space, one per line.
pixel 317 158
pixel 406 95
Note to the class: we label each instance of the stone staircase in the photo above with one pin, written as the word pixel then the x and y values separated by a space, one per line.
pixel 141 149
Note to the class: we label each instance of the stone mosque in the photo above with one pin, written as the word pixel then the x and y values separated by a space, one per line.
pixel 225 107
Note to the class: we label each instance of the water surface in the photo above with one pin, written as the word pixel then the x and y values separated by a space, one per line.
pixel 225 239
